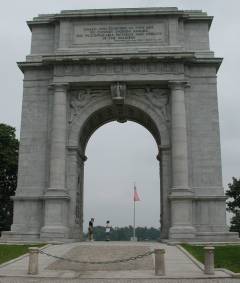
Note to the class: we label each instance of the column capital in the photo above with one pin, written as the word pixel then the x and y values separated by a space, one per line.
pixel 178 85
pixel 59 86
pixel 161 149
pixel 78 151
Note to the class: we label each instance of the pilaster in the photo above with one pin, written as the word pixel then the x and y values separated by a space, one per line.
pixel 164 158
pixel 56 197
pixel 75 180
pixel 181 195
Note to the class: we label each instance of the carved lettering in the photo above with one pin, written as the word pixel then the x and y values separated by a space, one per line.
pixel 97 33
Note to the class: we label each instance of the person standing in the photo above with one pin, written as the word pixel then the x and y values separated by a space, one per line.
pixel 108 230
pixel 90 230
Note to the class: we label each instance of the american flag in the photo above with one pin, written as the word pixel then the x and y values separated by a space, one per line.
pixel 135 195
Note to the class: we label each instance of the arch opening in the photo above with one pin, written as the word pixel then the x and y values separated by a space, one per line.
pixel 137 116
pixel 118 156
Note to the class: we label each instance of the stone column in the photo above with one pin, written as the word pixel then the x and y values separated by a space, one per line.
pixel 58 138
pixel 181 195
pixel 56 196
pixel 83 158
pixel 164 158
pixel 75 180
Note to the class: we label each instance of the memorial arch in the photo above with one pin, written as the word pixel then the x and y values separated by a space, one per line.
pixel 134 105
pixel 86 68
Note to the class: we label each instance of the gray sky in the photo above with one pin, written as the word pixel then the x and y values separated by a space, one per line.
pixel 128 150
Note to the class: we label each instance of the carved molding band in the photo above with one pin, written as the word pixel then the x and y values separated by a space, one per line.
pixel 119 68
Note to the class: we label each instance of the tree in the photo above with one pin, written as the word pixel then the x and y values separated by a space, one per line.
pixel 233 205
pixel 8 174
pixel 125 233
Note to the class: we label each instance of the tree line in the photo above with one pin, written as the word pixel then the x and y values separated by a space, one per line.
pixel 126 233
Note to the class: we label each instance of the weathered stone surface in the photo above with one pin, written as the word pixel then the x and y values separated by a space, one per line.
pixel 104 253
pixel 178 264
pixel 153 66
pixel 103 280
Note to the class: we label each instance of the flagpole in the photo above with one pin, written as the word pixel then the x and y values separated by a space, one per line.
pixel 133 220
pixel 135 198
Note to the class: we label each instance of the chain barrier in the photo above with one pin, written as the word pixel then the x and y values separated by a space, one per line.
pixel 98 262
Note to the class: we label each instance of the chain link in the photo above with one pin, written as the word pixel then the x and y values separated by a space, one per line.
pixel 99 262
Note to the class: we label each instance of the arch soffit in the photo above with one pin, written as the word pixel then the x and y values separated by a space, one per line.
pixel 100 105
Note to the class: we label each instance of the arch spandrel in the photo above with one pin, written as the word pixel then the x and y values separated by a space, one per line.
pixel 140 106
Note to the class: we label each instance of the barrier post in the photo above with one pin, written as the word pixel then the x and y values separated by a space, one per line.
pixel 209 260
pixel 33 260
pixel 159 262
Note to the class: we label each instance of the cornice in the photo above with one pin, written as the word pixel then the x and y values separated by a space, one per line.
pixel 169 56
pixel 187 58
pixel 187 15
pixel 214 61
pixel 199 197
pixel 198 18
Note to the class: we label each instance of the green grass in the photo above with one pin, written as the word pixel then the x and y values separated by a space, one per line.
pixel 8 252
pixel 225 256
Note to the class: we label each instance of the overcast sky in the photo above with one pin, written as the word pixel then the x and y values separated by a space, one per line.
pixel 127 150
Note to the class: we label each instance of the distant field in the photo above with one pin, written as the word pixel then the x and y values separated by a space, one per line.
pixel 8 252
pixel 225 256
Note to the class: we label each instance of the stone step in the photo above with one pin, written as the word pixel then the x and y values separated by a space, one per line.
pixel 102 280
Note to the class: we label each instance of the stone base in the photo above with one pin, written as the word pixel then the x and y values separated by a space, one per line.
pixel 217 237
pixel 206 237
pixel 21 238
pixel 58 234
pixel 9 236
pixel 54 233
pixel 203 237
pixel 183 232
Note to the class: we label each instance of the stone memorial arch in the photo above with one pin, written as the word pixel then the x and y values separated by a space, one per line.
pixel 89 67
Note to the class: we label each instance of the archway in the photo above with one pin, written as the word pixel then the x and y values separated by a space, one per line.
pixel 75 81
pixel 102 112
pixel 127 153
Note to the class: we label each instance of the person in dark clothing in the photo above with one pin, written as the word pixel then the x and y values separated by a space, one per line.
pixel 90 229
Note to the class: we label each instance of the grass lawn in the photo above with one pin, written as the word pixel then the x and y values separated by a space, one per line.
pixel 225 256
pixel 8 252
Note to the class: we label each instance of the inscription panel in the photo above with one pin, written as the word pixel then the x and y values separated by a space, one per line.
pixel 104 33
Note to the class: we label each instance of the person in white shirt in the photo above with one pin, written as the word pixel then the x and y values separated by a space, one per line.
pixel 107 230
